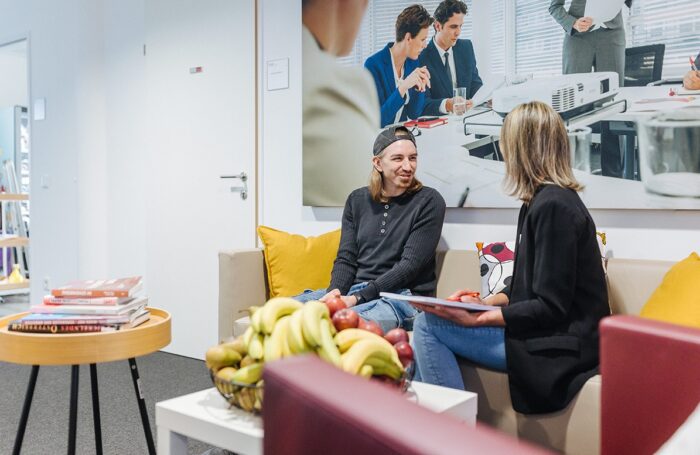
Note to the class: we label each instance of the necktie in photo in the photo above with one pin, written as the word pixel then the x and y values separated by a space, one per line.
pixel 447 68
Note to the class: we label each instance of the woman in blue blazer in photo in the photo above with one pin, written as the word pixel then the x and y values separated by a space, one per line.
pixel 400 81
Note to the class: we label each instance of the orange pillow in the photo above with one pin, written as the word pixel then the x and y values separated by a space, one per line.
pixel 677 299
pixel 295 262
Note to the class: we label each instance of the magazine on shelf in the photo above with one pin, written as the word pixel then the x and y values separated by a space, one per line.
pixel 126 308
pixel 120 287
pixel 433 301
pixel 51 300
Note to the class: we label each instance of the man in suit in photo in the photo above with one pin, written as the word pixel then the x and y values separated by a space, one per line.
pixel 450 60
pixel 598 49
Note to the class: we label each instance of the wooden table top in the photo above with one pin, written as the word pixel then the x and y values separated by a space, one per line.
pixel 84 348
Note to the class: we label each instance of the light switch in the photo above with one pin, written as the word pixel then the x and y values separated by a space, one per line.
pixel 278 74
pixel 45 180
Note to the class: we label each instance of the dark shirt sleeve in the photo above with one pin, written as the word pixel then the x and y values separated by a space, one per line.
pixel 417 253
pixel 416 104
pixel 697 61
pixel 345 265
pixel 562 16
pixel 556 232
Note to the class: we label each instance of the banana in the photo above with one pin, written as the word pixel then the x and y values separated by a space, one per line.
pixel 382 366
pixel 276 343
pixel 255 317
pixel 248 336
pixel 274 309
pixel 256 347
pixel 312 313
pixel 368 350
pixel 366 371
pixel 248 375
pixel 295 336
pixel 328 350
pixel 346 338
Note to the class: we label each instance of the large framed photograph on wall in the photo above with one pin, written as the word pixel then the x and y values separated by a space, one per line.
pixel 450 71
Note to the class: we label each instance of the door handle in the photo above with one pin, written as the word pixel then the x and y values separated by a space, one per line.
pixel 239 189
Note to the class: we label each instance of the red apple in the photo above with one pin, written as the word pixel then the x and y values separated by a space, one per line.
pixel 393 336
pixel 371 326
pixel 334 305
pixel 405 352
pixel 345 319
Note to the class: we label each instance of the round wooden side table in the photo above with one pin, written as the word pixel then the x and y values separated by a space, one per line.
pixel 38 349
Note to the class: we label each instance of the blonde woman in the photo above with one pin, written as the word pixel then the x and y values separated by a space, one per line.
pixel 543 330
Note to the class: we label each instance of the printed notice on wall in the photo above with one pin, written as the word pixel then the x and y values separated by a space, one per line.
pixel 278 74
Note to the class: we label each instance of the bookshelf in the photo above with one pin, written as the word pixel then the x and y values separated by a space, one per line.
pixel 11 208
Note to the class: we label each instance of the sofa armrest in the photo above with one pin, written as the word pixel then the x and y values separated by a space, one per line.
pixel 241 285
pixel 650 382
pixel 335 412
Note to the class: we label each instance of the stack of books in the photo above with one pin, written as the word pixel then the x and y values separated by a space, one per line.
pixel 88 306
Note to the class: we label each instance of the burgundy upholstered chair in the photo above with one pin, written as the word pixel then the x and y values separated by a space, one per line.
pixel 312 407
pixel 650 382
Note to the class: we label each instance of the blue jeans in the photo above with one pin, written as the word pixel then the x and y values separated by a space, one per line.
pixel 437 342
pixel 388 313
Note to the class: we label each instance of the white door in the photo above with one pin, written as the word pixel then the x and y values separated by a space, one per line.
pixel 200 65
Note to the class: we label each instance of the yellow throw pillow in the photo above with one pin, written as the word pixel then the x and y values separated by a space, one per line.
pixel 295 262
pixel 677 299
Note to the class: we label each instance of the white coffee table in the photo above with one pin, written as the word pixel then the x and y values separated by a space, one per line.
pixel 207 417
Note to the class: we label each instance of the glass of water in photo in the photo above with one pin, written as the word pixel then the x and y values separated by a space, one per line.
pixel 459 101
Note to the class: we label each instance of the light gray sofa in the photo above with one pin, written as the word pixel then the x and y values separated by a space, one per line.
pixel 575 430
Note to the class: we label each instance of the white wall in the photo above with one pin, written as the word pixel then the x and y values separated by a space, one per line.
pixel 668 235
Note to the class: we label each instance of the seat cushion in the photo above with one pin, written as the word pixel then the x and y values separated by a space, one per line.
pixel 295 263
pixel 677 299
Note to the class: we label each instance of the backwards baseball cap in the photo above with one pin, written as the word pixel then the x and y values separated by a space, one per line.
pixel 390 135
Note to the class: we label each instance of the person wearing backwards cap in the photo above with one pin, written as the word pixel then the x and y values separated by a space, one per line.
pixel 390 230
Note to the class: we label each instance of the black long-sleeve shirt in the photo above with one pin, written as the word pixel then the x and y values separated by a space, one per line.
pixel 558 295
pixel 390 245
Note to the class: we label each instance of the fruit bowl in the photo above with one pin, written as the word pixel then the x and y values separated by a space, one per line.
pixel 247 397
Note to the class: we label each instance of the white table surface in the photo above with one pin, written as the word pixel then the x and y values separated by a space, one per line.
pixel 445 165
pixel 207 417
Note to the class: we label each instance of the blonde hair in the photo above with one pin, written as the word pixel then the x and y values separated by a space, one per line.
pixel 376 187
pixel 536 149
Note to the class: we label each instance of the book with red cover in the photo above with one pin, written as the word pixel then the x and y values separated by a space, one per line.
pixel 126 308
pixel 51 300
pixel 426 122
pixel 120 287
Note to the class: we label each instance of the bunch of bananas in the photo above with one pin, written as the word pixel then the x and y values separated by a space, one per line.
pixel 367 354
pixel 284 327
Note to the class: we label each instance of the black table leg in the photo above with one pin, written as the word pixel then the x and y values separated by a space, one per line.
pixel 25 410
pixel 73 413
pixel 142 406
pixel 96 409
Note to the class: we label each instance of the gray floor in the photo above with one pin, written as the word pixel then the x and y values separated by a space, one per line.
pixel 163 376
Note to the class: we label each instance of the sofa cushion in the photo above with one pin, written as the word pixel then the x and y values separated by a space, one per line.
pixel 294 262
pixel 677 299
pixel 496 266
